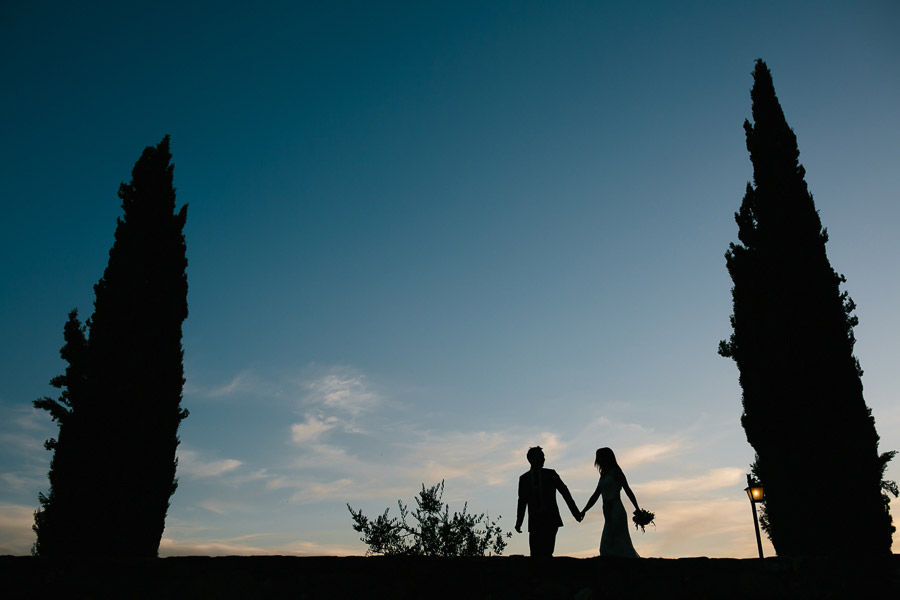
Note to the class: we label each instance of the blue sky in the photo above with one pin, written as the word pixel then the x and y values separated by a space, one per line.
pixel 423 237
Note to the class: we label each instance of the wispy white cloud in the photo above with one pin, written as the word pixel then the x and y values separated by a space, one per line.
pixel 463 456
pixel 246 383
pixel 650 453
pixel 489 458
pixel 331 458
pixel 395 466
pixel 191 464
pixel 306 490
pixel 212 507
pixel 316 491
pixel 634 428
pixel 334 400
pixel 713 479
pixel 31 419
pixel 343 390
pixel 312 428
pixel 23 443
pixel 236 383
pixel 244 477
pixel 23 430
pixel 22 481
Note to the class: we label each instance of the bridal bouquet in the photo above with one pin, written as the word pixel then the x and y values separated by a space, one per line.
pixel 642 518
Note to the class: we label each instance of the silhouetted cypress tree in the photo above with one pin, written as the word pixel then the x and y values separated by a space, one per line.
pixel 56 523
pixel 792 340
pixel 113 469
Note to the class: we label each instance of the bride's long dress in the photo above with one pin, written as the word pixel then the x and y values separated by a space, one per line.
pixel 615 539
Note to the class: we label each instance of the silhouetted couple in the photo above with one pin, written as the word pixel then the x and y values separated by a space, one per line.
pixel 537 493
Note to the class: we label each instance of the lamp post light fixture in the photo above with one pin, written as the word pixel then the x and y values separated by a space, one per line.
pixel 756 494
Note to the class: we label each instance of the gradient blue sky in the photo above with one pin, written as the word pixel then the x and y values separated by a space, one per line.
pixel 425 236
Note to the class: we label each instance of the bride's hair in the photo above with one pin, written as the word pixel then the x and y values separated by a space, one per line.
pixel 605 461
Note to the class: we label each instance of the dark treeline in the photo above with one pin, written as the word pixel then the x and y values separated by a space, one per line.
pixel 792 340
pixel 113 466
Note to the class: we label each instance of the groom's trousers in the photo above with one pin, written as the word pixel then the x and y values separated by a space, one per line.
pixel 542 540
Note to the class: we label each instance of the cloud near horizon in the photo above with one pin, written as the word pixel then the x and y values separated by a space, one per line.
pixel 16 535
pixel 256 544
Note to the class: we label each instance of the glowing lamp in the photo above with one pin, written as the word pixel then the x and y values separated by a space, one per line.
pixel 756 494
pixel 755 491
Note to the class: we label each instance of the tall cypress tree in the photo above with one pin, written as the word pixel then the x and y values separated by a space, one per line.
pixel 792 340
pixel 113 469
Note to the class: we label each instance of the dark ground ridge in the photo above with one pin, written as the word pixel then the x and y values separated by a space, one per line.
pixel 464 578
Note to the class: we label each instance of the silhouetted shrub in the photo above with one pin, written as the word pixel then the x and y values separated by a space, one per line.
pixel 434 533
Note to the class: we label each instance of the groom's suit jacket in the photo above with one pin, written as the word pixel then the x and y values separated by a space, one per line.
pixel 537 492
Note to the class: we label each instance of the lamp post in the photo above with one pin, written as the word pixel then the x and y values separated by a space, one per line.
pixel 756 494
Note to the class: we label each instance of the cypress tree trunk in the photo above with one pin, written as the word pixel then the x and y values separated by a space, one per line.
pixel 792 340
pixel 126 419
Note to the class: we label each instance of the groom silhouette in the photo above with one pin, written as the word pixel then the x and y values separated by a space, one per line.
pixel 537 492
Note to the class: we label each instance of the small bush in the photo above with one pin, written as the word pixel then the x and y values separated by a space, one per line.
pixel 434 533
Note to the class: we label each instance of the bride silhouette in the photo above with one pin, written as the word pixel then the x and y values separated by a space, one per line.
pixel 615 539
